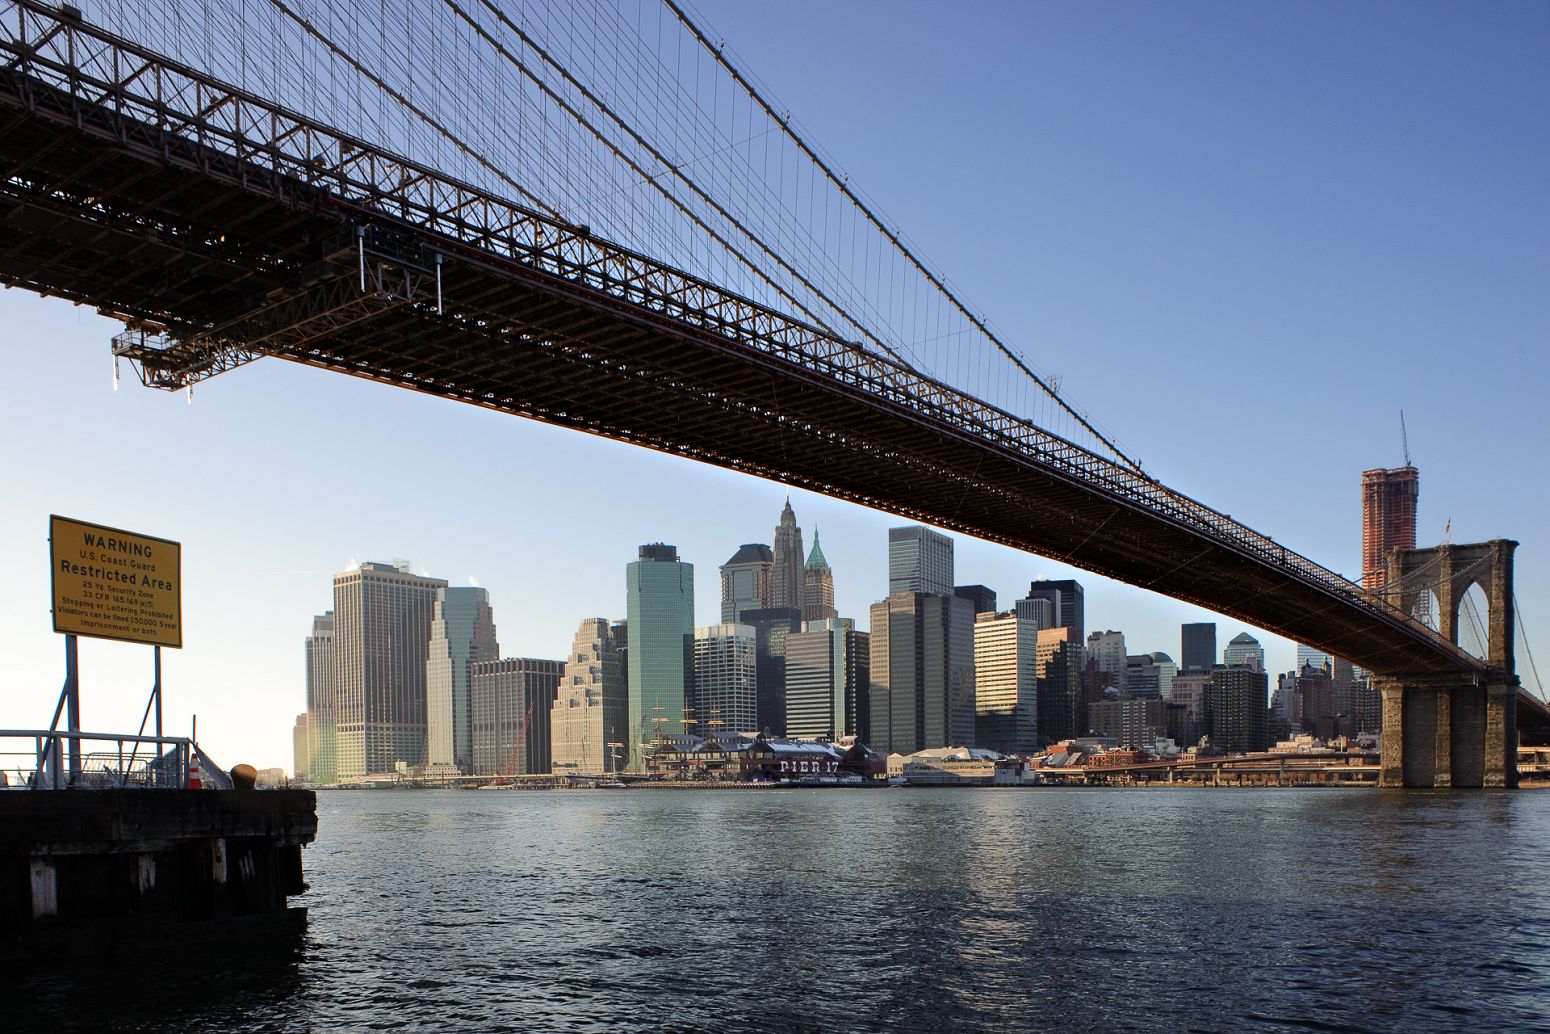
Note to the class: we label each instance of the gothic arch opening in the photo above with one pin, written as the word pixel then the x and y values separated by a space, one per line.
pixel 1427 610
pixel 1473 617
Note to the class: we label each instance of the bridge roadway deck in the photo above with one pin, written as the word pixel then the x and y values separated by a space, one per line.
pixel 138 215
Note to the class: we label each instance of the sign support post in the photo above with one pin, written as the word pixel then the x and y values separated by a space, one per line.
pixel 156 691
pixel 73 705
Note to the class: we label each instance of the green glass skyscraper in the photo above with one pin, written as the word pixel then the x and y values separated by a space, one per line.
pixel 660 597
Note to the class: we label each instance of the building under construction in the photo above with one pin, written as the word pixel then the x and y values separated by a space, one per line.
pixel 1388 519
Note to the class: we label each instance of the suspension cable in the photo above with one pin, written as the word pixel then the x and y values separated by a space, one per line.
pixel 662 159
pixel 1528 650
pixel 843 186
pixel 429 119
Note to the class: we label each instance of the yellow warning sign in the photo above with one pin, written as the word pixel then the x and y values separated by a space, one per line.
pixel 115 584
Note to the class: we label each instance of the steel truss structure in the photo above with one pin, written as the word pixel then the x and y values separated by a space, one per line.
pixel 222 228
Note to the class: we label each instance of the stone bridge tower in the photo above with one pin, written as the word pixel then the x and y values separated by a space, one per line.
pixel 1457 730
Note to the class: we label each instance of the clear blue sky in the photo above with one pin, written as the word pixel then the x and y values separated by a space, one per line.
pixel 1245 235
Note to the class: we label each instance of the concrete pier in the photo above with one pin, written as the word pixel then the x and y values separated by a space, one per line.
pixel 87 872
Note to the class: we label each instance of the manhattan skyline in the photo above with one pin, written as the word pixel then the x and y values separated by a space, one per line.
pixel 1359 202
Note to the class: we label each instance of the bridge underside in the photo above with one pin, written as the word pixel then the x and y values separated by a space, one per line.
pixel 146 224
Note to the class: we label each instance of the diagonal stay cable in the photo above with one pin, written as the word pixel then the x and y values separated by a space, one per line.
pixel 429 119
pixel 641 141
pixel 843 186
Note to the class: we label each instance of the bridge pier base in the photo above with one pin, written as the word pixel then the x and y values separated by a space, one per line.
pixel 1440 734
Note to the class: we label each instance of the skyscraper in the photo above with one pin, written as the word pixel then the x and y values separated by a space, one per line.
pixel 817 586
pixel 1006 682
pixel 787 583
pixel 1389 500
pixel 1235 710
pixel 922 671
pixel 1106 658
pixel 772 626
pixel 299 756
pixel 1189 691
pixel 510 700
pixel 1059 660
pixel 1066 606
pixel 1198 642
pixel 382 627
pixel 592 706
pixel 726 686
pixel 827 676
pixel 1308 656
pixel 747 580
pixel 321 687
pixel 919 560
pixel 462 632
pixel 983 597
pixel 659 590
pixel 1244 652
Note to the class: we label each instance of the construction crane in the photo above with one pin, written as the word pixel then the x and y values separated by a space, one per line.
pixel 1404 437
pixel 519 742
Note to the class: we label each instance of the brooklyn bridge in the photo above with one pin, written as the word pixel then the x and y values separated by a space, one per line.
pixel 552 221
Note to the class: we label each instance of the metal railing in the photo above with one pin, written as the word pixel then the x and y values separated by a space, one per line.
pixel 44 759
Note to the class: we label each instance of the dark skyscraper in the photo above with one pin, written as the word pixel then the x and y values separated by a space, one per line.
pixel 1388 519
pixel 1198 646
pixel 922 670
pixel 771 626
pixel 510 702
pixel 747 580
pixel 787 582
pixel 1066 608
pixel 981 597
pixel 1059 660
pixel 1236 715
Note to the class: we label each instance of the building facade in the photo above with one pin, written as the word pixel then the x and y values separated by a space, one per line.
pixel 1006 683
pixel 1138 723
pixel 747 580
pixel 1237 715
pixel 922 672
pixel 590 720
pixel 1067 606
pixel 726 682
pixel 772 627
pixel 382 629
pixel 828 670
pixel 919 560
pixel 1059 660
pixel 1244 652
pixel 1197 641
pixel 659 591
pixel 1189 691
pixel 1389 500
pixel 511 700
pixel 981 597
pixel 299 756
pixel 322 730
pixel 787 584
pixel 817 586
pixel 462 632
pixel 1106 656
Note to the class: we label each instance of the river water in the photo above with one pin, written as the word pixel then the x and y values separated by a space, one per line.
pixel 870 910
